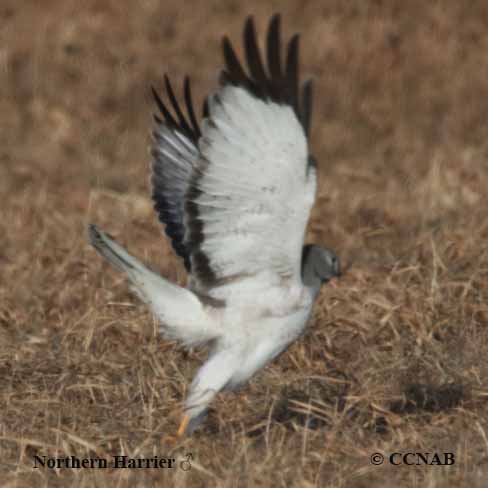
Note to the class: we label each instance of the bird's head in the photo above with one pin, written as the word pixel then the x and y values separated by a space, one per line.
pixel 319 265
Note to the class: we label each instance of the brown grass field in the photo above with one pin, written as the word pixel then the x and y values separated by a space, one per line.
pixel 395 358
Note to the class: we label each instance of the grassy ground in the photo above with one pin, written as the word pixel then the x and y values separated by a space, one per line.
pixel 395 359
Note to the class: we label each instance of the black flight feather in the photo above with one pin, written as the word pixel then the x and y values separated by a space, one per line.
pixel 275 81
pixel 177 165
pixel 173 162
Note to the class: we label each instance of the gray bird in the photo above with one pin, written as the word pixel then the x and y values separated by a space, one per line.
pixel 234 192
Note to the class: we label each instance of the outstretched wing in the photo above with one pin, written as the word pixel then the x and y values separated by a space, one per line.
pixel 251 193
pixel 174 155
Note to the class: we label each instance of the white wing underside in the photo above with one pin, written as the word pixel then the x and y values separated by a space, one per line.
pixel 256 190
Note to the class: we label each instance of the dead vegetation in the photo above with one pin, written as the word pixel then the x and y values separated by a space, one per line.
pixel 395 357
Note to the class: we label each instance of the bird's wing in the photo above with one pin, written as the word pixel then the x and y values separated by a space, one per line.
pixel 253 186
pixel 174 155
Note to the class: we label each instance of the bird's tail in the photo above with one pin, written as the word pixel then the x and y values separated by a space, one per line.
pixel 114 253
pixel 181 313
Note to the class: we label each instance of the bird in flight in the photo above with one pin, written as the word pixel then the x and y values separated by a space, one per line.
pixel 234 192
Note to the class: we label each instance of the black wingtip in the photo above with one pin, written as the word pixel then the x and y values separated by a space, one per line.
pixel 273 44
pixel 249 23
pixel 237 75
pixel 254 61
pixel 275 18
pixel 276 79
pixel 155 95
pixel 189 106
pixel 162 108
pixel 187 123
pixel 292 70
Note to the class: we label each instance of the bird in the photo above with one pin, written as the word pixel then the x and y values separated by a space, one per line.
pixel 234 190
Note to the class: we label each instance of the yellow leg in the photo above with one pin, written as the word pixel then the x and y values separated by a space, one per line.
pixel 183 426
pixel 173 440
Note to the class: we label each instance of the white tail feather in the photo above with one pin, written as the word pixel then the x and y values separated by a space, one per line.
pixel 182 315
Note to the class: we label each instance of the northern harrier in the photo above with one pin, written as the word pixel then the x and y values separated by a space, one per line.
pixel 234 192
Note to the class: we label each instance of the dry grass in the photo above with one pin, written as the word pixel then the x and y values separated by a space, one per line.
pixel 396 356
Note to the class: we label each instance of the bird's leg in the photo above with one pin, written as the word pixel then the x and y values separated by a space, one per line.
pixel 183 426
pixel 210 379
pixel 180 434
